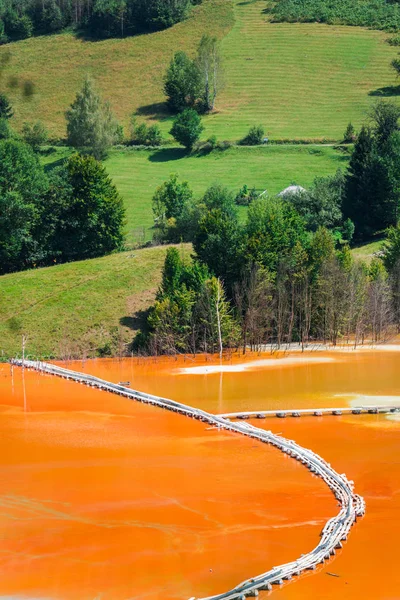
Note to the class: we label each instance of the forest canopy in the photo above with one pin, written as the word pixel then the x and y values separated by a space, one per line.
pixel 376 14
pixel 20 19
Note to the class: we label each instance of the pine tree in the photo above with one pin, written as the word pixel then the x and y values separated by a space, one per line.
pixel 358 199
pixel 91 126
pixel 6 110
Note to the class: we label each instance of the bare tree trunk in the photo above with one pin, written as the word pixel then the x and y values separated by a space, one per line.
pixel 219 318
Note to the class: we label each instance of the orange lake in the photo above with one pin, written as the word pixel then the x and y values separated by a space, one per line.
pixel 106 499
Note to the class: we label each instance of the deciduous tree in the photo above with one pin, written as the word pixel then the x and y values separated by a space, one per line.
pixel 187 128
pixel 209 63
pixel 182 84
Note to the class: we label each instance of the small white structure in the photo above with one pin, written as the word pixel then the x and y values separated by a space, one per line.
pixel 289 191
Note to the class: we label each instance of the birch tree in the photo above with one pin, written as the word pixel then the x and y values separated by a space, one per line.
pixel 209 64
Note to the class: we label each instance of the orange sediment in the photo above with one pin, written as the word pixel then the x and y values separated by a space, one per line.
pixel 106 498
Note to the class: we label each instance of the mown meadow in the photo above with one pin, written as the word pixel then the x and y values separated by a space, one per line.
pixel 79 308
pixel 138 173
pixel 300 80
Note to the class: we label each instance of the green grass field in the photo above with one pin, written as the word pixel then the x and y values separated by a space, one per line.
pixel 298 80
pixel 128 71
pixel 367 251
pixel 137 174
pixel 77 308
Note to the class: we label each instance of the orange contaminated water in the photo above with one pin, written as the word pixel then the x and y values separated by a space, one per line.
pixel 103 498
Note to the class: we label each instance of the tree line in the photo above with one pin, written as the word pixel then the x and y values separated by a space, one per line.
pixel 269 281
pixel 70 213
pixel 376 14
pixel 20 19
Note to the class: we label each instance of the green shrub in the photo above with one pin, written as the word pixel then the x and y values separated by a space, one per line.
pixel 35 134
pixel 245 196
pixel 207 146
pixel 224 145
pixel 187 128
pixel 394 41
pixel 142 135
pixel 255 136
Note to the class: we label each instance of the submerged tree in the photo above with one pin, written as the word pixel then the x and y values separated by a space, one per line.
pixel 215 323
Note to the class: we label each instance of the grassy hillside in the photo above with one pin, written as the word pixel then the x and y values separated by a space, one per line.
pixel 137 174
pixel 367 251
pixel 298 80
pixel 78 308
pixel 128 71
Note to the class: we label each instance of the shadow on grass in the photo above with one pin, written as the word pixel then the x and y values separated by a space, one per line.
pixel 86 36
pixel 168 154
pixel 343 157
pixel 157 110
pixel 386 92
pixel 137 321
pixel 52 165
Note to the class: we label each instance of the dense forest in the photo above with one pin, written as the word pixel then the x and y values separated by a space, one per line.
pixel 377 14
pixel 96 18
pixel 287 274
pixel 271 280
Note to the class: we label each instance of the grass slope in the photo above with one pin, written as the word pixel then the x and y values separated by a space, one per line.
pixel 128 71
pixel 298 80
pixel 368 251
pixel 77 308
pixel 137 174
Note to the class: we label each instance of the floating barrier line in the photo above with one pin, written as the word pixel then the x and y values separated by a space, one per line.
pixel 316 412
pixel 335 531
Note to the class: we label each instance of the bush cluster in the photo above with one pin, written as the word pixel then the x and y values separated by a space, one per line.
pixel 254 137
pixel 145 135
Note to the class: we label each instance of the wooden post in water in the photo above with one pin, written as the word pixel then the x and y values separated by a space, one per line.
pixel 23 368
pixel 23 349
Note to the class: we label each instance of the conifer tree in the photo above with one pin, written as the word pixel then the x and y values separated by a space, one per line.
pixel 91 126
pixel 6 110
